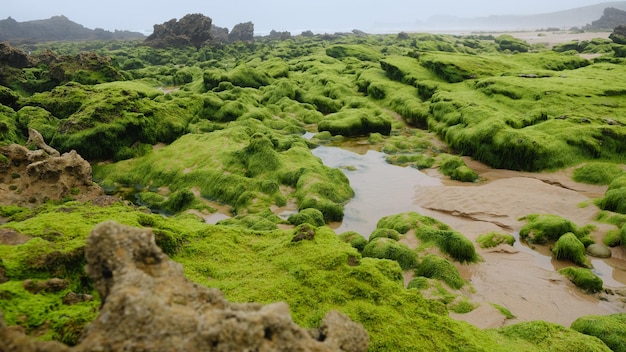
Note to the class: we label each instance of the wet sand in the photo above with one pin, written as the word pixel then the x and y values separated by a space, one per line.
pixel 520 278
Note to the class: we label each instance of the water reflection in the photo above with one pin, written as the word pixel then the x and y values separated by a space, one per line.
pixel 380 188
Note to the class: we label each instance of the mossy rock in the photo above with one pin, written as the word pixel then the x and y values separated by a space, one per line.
pixel 569 247
pixel 386 233
pixel 493 239
pixel 597 173
pixel 435 267
pixel 355 239
pixel 614 200
pixel 386 248
pixel 309 216
pixel 547 227
pixel 456 169
pixel 353 122
pixel 583 278
pixel 611 329
pixel 598 250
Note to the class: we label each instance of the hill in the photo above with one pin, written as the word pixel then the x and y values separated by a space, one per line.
pixel 56 28
pixel 577 17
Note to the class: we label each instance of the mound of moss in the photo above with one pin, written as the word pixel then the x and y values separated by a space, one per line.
pixel 435 267
pixel 569 247
pixel 492 239
pixel 615 197
pixel 541 228
pixel 432 233
pixel 597 173
pixel 611 329
pixel 353 122
pixel 387 248
pixel 583 278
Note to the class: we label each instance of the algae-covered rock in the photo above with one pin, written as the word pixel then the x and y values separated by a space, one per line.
pixel 584 278
pixel 387 248
pixel 353 122
pixel 569 247
pixel 611 329
pixel 541 228
pixel 435 267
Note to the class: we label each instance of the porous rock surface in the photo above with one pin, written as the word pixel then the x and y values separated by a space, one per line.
pixel 31 177
pixel 148 305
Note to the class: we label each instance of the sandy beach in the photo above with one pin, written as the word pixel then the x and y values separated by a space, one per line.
pixel 522 279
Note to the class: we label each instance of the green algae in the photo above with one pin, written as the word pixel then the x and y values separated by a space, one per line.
pixel 493 239
pixel 583 278
pixel 388 248
pixel 432 232
pixel 242 167
pixel 569 247
pixel 435 267
pixel 611 329
pixel 597 173
pixel 541 228
pixel 542 335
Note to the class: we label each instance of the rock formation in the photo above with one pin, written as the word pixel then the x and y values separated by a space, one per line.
pixel 31 177
pixel 242 32
pixel 148 305
pixel 193 29
pixel 610 19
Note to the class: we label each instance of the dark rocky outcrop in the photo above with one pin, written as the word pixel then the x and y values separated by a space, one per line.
pixel 57 28
pixel 31 177
pixel 610 19
pixel 193 29
pixel 148 305
pixel 14 57
pixel 242 32
pixel 619 35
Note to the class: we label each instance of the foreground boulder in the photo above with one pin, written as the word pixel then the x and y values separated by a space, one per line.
pixel 148 305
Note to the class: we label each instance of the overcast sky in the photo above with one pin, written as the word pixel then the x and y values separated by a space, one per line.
pixel 281 15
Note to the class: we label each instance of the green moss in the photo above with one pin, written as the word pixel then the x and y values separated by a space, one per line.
pixel 454 167
pixel 569 247
pixel 611 329
pixel 356 240
pixel 309 216
pixel 353 122
pixel 583 278
pixel 385 233
pixel 614 200
pixel 386 248
pixel 546 227
pixel 462 306
pixel 542 335
pixel 492 239
pixel 435 267
pixel 597 173
pixel 360 52
pixel 35 312
pixel 418 283
pixel 505 311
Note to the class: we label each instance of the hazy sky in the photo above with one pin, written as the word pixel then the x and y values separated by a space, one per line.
pixel 281 15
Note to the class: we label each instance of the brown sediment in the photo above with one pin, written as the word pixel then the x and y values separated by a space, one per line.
pixel 519 278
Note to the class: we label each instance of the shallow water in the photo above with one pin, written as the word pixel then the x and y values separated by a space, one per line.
pixel 380 188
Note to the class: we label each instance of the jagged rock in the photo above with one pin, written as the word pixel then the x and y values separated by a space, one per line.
pixel 242 32
pixel 610 19
pixel 149 305
pixel 31 177
pixel 35 138
pixel 14 57
pixel 51 285
pixel 193 29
